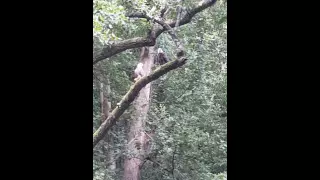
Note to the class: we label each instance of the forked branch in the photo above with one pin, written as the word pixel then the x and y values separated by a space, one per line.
pixel 131 95
pixel 116 47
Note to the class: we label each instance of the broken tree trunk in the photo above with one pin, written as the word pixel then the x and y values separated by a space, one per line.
pixel 136 127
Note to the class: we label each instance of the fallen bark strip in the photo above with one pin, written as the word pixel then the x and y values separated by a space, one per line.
pixel 119 46
pixel 131 94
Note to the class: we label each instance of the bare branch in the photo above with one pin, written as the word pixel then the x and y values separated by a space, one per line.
pixel 172 34
pixel 173 161
pixel 167 27
pixel 179 10
pixel 120 46
pixel 131 95
pixel 140 42
pixel 164 11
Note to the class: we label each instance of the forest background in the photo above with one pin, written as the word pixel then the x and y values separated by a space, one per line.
pixel 172 122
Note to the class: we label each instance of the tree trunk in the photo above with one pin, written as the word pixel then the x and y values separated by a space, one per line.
pixel 137 136
pixel 105 104
pixel 105 109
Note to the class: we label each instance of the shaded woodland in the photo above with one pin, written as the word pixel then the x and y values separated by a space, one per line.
pixel 159 89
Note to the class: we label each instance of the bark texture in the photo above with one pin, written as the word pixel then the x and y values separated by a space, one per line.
pixel 105 109
pixel 137 134
pixel 105 104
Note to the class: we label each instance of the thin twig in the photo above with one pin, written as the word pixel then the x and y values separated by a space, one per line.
pixel 179 10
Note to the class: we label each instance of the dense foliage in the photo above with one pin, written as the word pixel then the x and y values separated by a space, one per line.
pixel 189 104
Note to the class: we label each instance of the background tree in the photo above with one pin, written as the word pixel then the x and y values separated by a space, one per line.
pixel 188 105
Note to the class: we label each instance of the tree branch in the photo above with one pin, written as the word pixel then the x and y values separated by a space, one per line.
pixel 119 46
pixel 116 47
pixel 130 96
pixel 173 161
pixel 179 11
pixel 164 25
pixel 138 15
pixel 140 42
pixel 164 11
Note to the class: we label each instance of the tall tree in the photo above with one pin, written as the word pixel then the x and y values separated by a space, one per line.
pixel 113 48
pixel 188 107
pixel 137 131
